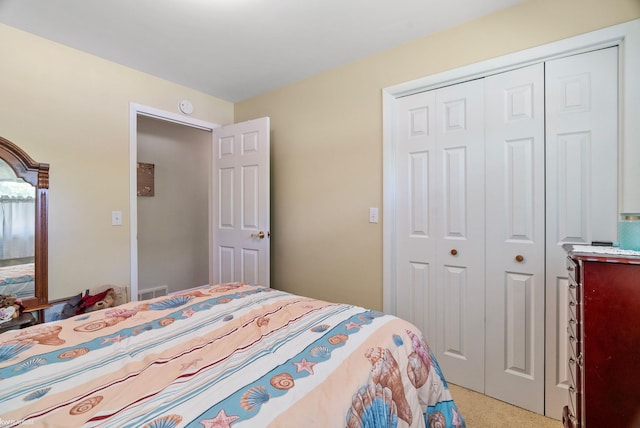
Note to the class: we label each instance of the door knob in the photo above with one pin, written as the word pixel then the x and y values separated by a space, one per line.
pixel 258 235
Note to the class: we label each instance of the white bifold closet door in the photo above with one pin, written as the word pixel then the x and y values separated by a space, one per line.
pixel 440 225
pixel 515 222
pixel 493 176
pixel 582 186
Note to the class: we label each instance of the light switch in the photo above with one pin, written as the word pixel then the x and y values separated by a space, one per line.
pixel 373 215
pixel 116 218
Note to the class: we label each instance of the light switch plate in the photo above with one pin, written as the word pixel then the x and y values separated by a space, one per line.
pixel 373 215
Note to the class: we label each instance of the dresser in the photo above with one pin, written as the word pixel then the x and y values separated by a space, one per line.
pixel 604 333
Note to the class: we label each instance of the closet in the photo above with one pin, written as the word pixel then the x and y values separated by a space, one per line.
pixel 492 177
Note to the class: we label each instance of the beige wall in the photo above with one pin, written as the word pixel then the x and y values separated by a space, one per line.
pixel 71 110
pixel 326 143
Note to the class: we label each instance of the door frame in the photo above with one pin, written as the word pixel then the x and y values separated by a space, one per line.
pixel 626 36
pixel 136 110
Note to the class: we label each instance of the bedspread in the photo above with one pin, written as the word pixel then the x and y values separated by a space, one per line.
pixel 18 280
pixel 229 355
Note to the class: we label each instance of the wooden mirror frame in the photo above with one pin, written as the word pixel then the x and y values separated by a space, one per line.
pixel 36 174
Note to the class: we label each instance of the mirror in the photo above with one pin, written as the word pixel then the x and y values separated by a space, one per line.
pixel 24 186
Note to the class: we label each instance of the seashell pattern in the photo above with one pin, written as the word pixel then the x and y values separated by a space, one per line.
pixel 282 381
pixel 254 397
pixel 98 324
pixel 320 352
pixel 166 321
pixel 226 287
pixel 372 406
pixel 398 340
pixel 416 370
pixel 420 348
pixel 386 372
pixel 171 303
pixel 45 335
pixel 168 421
pixel 85 405
pixel 119 312
pixel 320 328
pixel 37 394
pixel 337 339
pixel 12 350
pixel 73 353
pixel 437 420
pixel 262 321
pixel 30 364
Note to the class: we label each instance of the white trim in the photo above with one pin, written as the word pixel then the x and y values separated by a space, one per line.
pixel 626 36
pixel 142 110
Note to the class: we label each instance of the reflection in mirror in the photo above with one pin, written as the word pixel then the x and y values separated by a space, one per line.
pixel 17 234
pixel 24 186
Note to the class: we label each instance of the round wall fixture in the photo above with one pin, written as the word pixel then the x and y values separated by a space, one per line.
pixel 185 107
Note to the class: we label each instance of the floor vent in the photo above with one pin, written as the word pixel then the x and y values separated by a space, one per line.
pixel 150 293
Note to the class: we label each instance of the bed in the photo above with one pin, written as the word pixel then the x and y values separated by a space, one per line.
pixel 18 280
pixel 228 355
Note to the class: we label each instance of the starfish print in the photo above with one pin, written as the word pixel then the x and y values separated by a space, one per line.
pixel 220 421
pixel 188 313
pixel 352 325
pixel 455 420
pixel 115 339
pixel 305 365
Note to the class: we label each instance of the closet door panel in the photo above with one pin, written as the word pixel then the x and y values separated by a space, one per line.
pixel 582 186
pixel 459 220
pixel 515 237
pixel 414 268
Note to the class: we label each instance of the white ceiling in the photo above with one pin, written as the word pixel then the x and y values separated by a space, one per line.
pixel 236 49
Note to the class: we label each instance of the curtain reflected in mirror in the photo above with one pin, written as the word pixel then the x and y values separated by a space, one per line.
pixel 24 186
pixel 17 234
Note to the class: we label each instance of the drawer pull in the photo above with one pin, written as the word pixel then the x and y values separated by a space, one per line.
pixel 572 389
pixel 572 338
pixel 454 252
pixel 572 303
pixel 519 258
pixel 572 361
pixel 572 321
pixel 572 286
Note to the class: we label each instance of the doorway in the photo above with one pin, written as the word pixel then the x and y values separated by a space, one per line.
pixel 173 206
pixel 178 125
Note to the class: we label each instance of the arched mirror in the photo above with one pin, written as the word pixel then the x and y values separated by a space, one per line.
pixel 24 185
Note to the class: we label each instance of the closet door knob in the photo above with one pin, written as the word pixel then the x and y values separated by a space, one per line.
pixel 454 252
pixel 519 258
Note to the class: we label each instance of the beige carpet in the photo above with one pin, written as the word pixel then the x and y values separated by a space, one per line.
pixel 481 411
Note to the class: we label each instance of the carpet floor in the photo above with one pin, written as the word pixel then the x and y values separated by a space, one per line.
pixel 481 411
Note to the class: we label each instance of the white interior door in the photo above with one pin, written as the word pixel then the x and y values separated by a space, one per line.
pixel 515 236
pixel 240 215
pixel 582 195
pixel 415 230
pixel 459 218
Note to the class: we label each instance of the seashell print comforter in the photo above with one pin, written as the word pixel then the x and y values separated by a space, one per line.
pixel 229 355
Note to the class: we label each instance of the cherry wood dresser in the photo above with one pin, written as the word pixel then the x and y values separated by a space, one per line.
pixel 604 332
